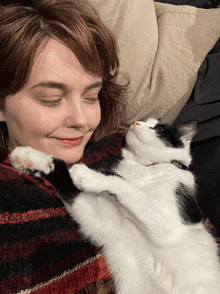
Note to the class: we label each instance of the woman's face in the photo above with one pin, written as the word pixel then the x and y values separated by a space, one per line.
pixel 58 109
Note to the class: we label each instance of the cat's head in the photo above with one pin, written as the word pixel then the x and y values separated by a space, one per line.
pixel 154 142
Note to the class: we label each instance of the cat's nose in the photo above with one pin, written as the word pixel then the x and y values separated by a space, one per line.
pixel 137 123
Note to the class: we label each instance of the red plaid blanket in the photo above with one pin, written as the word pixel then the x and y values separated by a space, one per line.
pixel 41 250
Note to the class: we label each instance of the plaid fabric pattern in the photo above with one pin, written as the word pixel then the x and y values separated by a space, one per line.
pixel 41 250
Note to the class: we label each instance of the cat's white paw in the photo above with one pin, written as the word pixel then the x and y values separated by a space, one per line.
pixel 29 160
pixel 85 178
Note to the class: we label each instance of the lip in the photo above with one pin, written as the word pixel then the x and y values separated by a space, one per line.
pixel 71 141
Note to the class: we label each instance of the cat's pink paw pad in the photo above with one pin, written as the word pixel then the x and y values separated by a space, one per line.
pixel 29 160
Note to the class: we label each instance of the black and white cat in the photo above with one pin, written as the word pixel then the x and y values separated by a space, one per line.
pixel 143 213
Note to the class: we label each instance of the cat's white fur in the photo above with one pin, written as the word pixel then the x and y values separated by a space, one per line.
pixel 148 247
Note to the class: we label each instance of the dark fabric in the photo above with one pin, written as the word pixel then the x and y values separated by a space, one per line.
pixel 206 167
pixel 204 103
pixel 41 250
pixel 196 3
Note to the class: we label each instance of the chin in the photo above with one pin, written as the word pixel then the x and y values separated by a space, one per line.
pixel 71 158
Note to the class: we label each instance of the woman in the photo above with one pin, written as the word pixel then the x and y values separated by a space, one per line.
pixel 57 93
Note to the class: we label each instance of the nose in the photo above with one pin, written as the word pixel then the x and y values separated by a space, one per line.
pixel 75 115
pixel 137 123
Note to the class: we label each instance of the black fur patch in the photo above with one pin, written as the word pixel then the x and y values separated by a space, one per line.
pixel 108 165
pixel 188 206
pixel 62 182
pixel 169 135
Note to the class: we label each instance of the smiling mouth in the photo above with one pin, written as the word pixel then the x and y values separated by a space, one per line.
pixel 71 142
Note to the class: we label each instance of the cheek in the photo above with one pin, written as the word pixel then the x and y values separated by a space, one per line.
pixel 32 122
pixel 22 114
pixel 94 117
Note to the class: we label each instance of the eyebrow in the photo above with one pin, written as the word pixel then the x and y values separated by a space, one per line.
pixel 51 84
pixel 93 85
pixel 63 87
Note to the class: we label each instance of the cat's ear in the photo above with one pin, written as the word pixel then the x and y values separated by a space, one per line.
pixel 188 130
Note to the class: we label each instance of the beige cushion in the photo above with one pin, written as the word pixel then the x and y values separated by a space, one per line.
pixel 161 48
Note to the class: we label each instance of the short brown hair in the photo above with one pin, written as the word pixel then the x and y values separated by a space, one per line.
pixel 24 25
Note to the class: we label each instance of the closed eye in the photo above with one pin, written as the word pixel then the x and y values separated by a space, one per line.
pixel 51 103
pixel 158 128
pixel 91 100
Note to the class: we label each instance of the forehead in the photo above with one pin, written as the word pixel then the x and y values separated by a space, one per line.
pixel 151 122
pixel 55 62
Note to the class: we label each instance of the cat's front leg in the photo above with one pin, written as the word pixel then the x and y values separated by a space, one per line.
pixel 89 180
pixel 39 164
pixel 31 161
pixel 98 215
pixel 130 196
pixel 108 224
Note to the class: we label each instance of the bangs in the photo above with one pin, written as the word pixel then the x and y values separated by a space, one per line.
pixel 81 30
pixel 82 44
pixel 89 40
